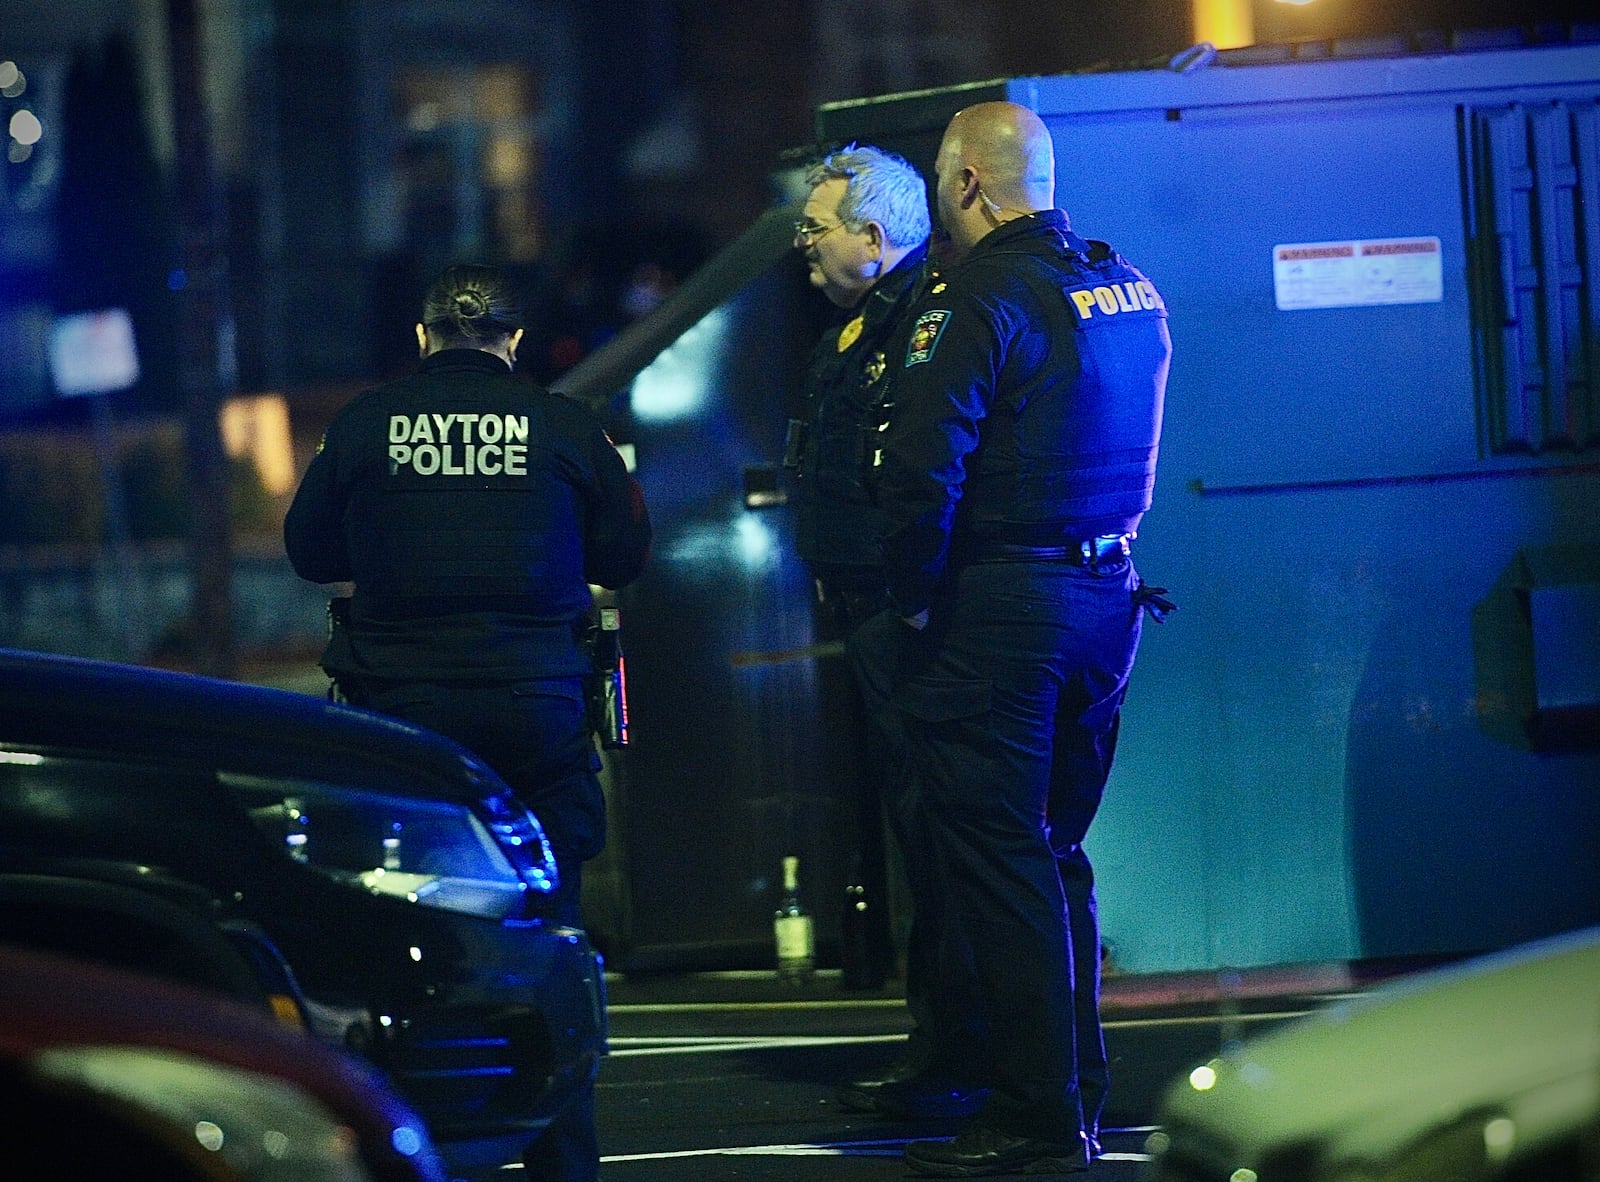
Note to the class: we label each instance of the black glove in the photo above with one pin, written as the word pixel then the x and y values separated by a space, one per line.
pixel 1154 601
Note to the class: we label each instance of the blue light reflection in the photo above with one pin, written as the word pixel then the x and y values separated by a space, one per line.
pixel 677 383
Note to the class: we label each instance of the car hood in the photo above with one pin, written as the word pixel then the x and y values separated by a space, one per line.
pixel 1512 1036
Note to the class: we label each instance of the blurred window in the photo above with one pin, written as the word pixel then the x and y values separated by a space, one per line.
pixel 470 161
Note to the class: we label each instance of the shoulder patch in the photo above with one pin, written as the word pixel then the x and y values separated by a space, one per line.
pixel 1103 301
pixel 925 336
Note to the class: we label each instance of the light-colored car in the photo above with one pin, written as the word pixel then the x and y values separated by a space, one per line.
pixel 1489 1069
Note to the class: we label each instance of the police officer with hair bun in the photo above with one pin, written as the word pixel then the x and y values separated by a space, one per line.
pixel 472 510
pixel 1018 463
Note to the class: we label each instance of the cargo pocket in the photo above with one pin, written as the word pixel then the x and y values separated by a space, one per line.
pixel 941 703
pixel 947 731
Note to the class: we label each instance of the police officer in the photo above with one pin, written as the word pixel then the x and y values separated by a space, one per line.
pixel 1018 463
pixel 863 235
pixel 472 511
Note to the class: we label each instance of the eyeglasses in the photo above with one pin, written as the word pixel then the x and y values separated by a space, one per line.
pixel 807 231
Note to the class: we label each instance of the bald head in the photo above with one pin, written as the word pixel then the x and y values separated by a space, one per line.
pixel 996 162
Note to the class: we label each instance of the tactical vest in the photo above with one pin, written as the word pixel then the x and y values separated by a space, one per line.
pixel 1077 458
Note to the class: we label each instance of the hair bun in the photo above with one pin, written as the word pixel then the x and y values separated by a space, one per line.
pixel 470 304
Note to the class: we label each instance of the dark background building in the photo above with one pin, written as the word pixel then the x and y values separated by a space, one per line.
pixel 602 147
pixel 605 151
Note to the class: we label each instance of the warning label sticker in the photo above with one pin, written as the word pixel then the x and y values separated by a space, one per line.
pixel 1356 273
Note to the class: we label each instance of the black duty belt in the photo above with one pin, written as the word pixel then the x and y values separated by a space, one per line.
pixel 1103 550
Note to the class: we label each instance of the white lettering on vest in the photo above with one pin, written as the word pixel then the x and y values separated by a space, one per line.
pixel 1128 296
pixel 459 444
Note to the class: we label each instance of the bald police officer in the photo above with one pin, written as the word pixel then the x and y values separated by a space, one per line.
pixel 1018 463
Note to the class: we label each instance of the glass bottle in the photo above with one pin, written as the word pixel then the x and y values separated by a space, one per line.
pixel 858 961
pixel 792 929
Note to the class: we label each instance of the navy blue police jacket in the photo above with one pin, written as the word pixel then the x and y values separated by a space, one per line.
pixel 1027 406
pixel 837 523
pixel 472 510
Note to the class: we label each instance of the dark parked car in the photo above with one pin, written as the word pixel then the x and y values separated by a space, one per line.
pixel 362 877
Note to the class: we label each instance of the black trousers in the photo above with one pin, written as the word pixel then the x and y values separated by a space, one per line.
pixel 846 597
pixel 534 733
pixel 1006 710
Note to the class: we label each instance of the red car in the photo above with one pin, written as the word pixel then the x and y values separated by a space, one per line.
pixel 110 1073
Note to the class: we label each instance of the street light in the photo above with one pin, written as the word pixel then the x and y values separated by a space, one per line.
pixel 1225 24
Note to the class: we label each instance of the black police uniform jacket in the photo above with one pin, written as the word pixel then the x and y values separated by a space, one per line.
pixel 472 510
pixel 1027 406
pixel 837 524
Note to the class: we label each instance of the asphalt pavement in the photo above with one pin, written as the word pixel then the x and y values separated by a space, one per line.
pixel 716 1076
pixel 732 1076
